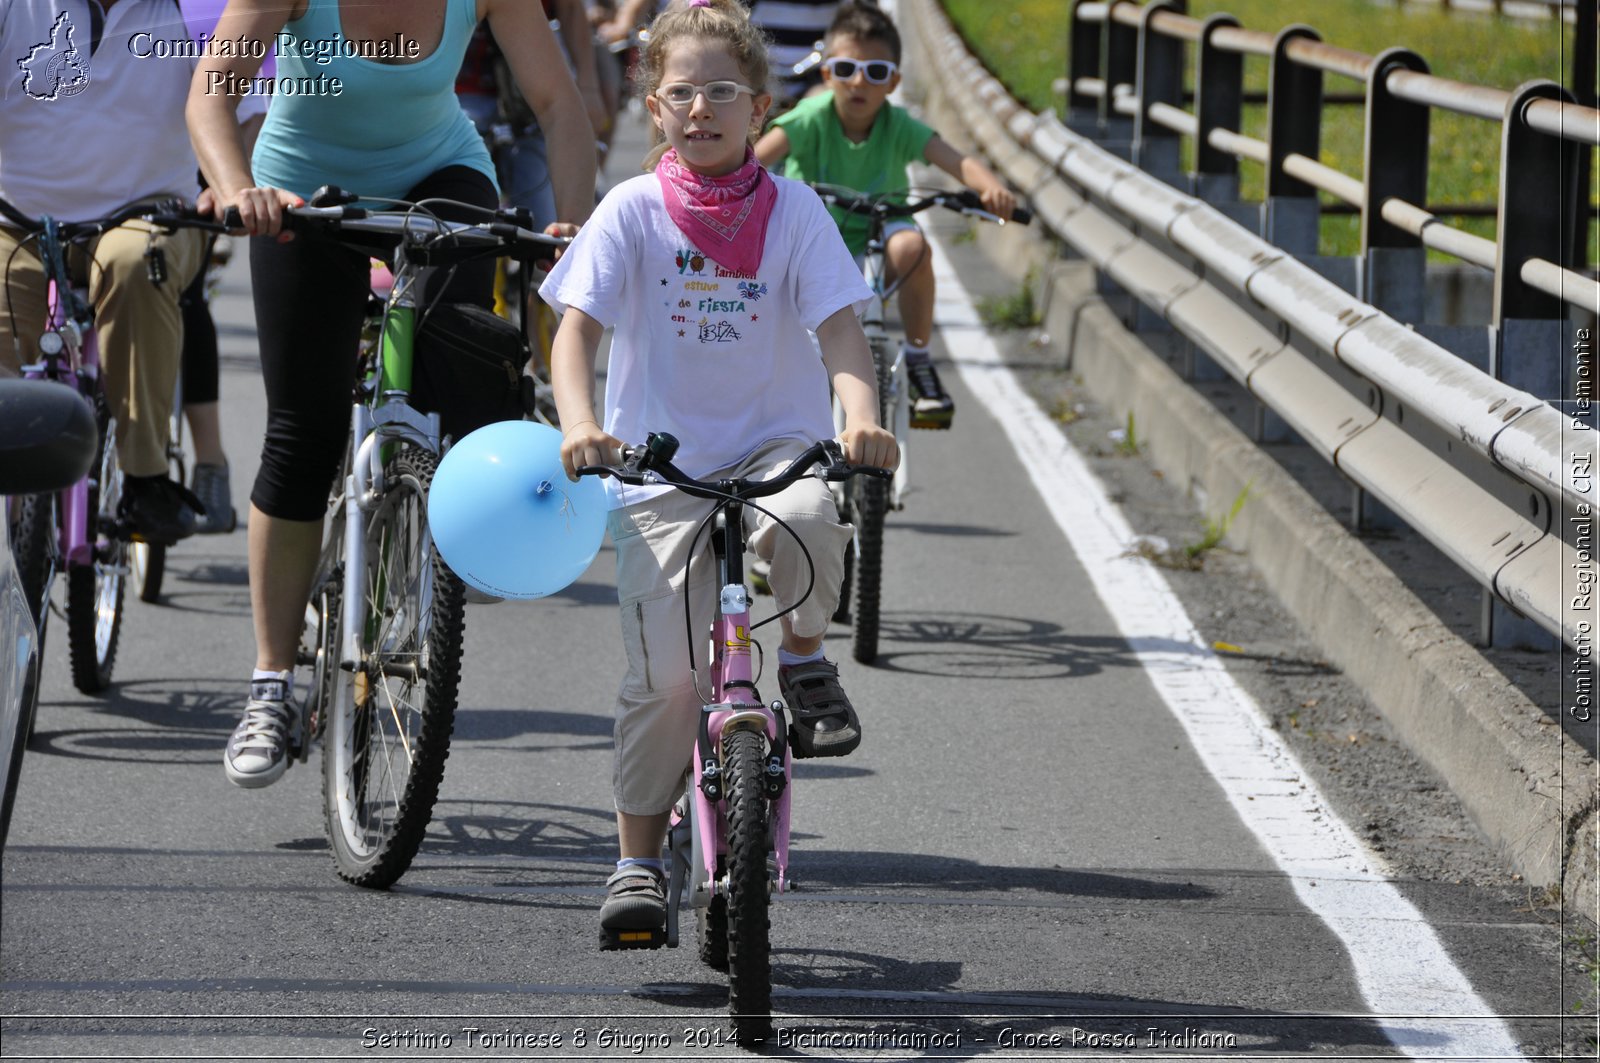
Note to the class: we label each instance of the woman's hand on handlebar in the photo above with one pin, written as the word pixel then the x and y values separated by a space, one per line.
pixel 870 445
pixel 260 209
pixel 586 443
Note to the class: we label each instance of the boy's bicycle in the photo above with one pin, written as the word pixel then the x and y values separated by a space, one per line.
pixel 79 531
pixel 728 846
pixel 865 502
pixel 385 616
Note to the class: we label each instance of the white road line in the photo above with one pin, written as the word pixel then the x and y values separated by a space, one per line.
pixel 1400 965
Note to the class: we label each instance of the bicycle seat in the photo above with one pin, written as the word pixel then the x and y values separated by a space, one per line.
pixel 47 437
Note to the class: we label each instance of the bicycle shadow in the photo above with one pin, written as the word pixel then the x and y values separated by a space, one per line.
pixel 867 870
pixel 985 646
pixel 825 995
pixel 182 721
pixel 501 725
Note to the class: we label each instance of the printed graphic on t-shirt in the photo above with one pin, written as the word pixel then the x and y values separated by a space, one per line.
pixel 55 68
pixel 712 301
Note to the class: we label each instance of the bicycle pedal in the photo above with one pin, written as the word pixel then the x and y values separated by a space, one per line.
pixel 620 940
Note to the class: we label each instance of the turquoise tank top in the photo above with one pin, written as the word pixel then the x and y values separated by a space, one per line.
pixel 382 127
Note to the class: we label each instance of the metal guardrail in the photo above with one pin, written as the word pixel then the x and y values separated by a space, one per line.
pixel 1486 470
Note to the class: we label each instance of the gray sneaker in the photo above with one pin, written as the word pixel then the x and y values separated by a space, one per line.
pixel 258 750
pixel 210 485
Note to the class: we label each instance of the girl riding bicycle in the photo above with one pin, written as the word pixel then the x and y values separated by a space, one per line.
pixel 711 272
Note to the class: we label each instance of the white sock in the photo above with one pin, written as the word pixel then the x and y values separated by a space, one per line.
pixel 787 659
pixel 654 864
pixel 915 355
pixel 287 678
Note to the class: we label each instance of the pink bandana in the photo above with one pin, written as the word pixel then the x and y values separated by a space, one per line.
pixel 725 217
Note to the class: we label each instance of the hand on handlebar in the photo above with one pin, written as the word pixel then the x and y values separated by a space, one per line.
pixel 999 201
pixel 586 443
pixel 260 210
pixel 870 445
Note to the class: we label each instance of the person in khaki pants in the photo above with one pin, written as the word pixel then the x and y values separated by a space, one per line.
pixel 93 101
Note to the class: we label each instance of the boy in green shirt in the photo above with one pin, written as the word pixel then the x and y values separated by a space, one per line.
pixel 852 136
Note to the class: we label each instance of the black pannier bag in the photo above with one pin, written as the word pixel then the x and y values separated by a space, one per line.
pixel 468 368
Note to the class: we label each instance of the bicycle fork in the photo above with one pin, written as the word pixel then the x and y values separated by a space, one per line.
pixel 697 837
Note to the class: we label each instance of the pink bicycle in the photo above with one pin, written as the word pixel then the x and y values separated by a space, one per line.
pixel 728 846
pixel 79 530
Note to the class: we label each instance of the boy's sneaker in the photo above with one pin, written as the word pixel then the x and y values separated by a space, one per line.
pixel 634 914
pixel 931 407
pixel 210 485
pixel 824 722
pixel 258 750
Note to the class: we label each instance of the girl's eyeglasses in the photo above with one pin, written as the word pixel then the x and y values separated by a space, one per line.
pixel 681 93
pixel 878 71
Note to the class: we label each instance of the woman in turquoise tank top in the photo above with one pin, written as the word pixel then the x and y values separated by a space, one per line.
pixel 364 99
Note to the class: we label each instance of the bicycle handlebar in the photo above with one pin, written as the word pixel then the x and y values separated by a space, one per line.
pixel 171 208
pixel 428 239
pixel 965 202
pixel 652 464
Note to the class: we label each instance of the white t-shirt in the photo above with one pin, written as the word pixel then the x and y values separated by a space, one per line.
pixel 91 124
pixel 723 362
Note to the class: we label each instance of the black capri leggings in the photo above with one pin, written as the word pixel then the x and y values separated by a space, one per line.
pixel 201 370
pixel 311 297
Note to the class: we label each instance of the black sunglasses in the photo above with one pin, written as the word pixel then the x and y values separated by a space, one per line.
pixel 878 71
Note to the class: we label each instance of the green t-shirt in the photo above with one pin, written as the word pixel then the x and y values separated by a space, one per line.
pixel 819 151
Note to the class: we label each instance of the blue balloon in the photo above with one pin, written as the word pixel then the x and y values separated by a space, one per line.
pixel 506 519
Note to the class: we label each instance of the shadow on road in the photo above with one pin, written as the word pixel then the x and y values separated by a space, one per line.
pixel 837 869
pixel 983 646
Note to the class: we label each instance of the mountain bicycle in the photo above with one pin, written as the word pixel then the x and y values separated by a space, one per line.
pixel 865 503
pixel 385 616
pixel 728 844
pixel 79 531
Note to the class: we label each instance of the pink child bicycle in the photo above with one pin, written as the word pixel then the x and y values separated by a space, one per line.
pixel 728 847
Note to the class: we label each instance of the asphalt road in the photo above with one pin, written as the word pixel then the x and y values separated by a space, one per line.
pixel 1028 857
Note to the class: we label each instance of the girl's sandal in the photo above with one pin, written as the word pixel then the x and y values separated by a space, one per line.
pixel 814 695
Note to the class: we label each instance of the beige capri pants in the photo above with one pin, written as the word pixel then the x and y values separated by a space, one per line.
pixel 139 325
pixel 658 707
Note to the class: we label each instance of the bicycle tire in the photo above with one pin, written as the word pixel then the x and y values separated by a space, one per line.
pixel 96 591
pixel 749 958
pixel 31 544
pixel 869 505
pixel 711 932
pixel 147 563
pixel 403 687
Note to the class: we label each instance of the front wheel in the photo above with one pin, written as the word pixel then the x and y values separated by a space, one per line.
pixel 869 505
pixel 387 731
pixel 95 590
pixel 749 961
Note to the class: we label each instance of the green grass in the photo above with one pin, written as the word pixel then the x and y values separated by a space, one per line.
pixel 1014 311
pixel 1025 43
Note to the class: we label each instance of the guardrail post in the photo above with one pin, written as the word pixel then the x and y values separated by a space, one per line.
pixel 1395 165
pixel 1218 104
pixel 1290 215
pixel 1160 80
pixel 1083 61
pixel 1119 65
pixel 1538 200
pixel 1585 44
